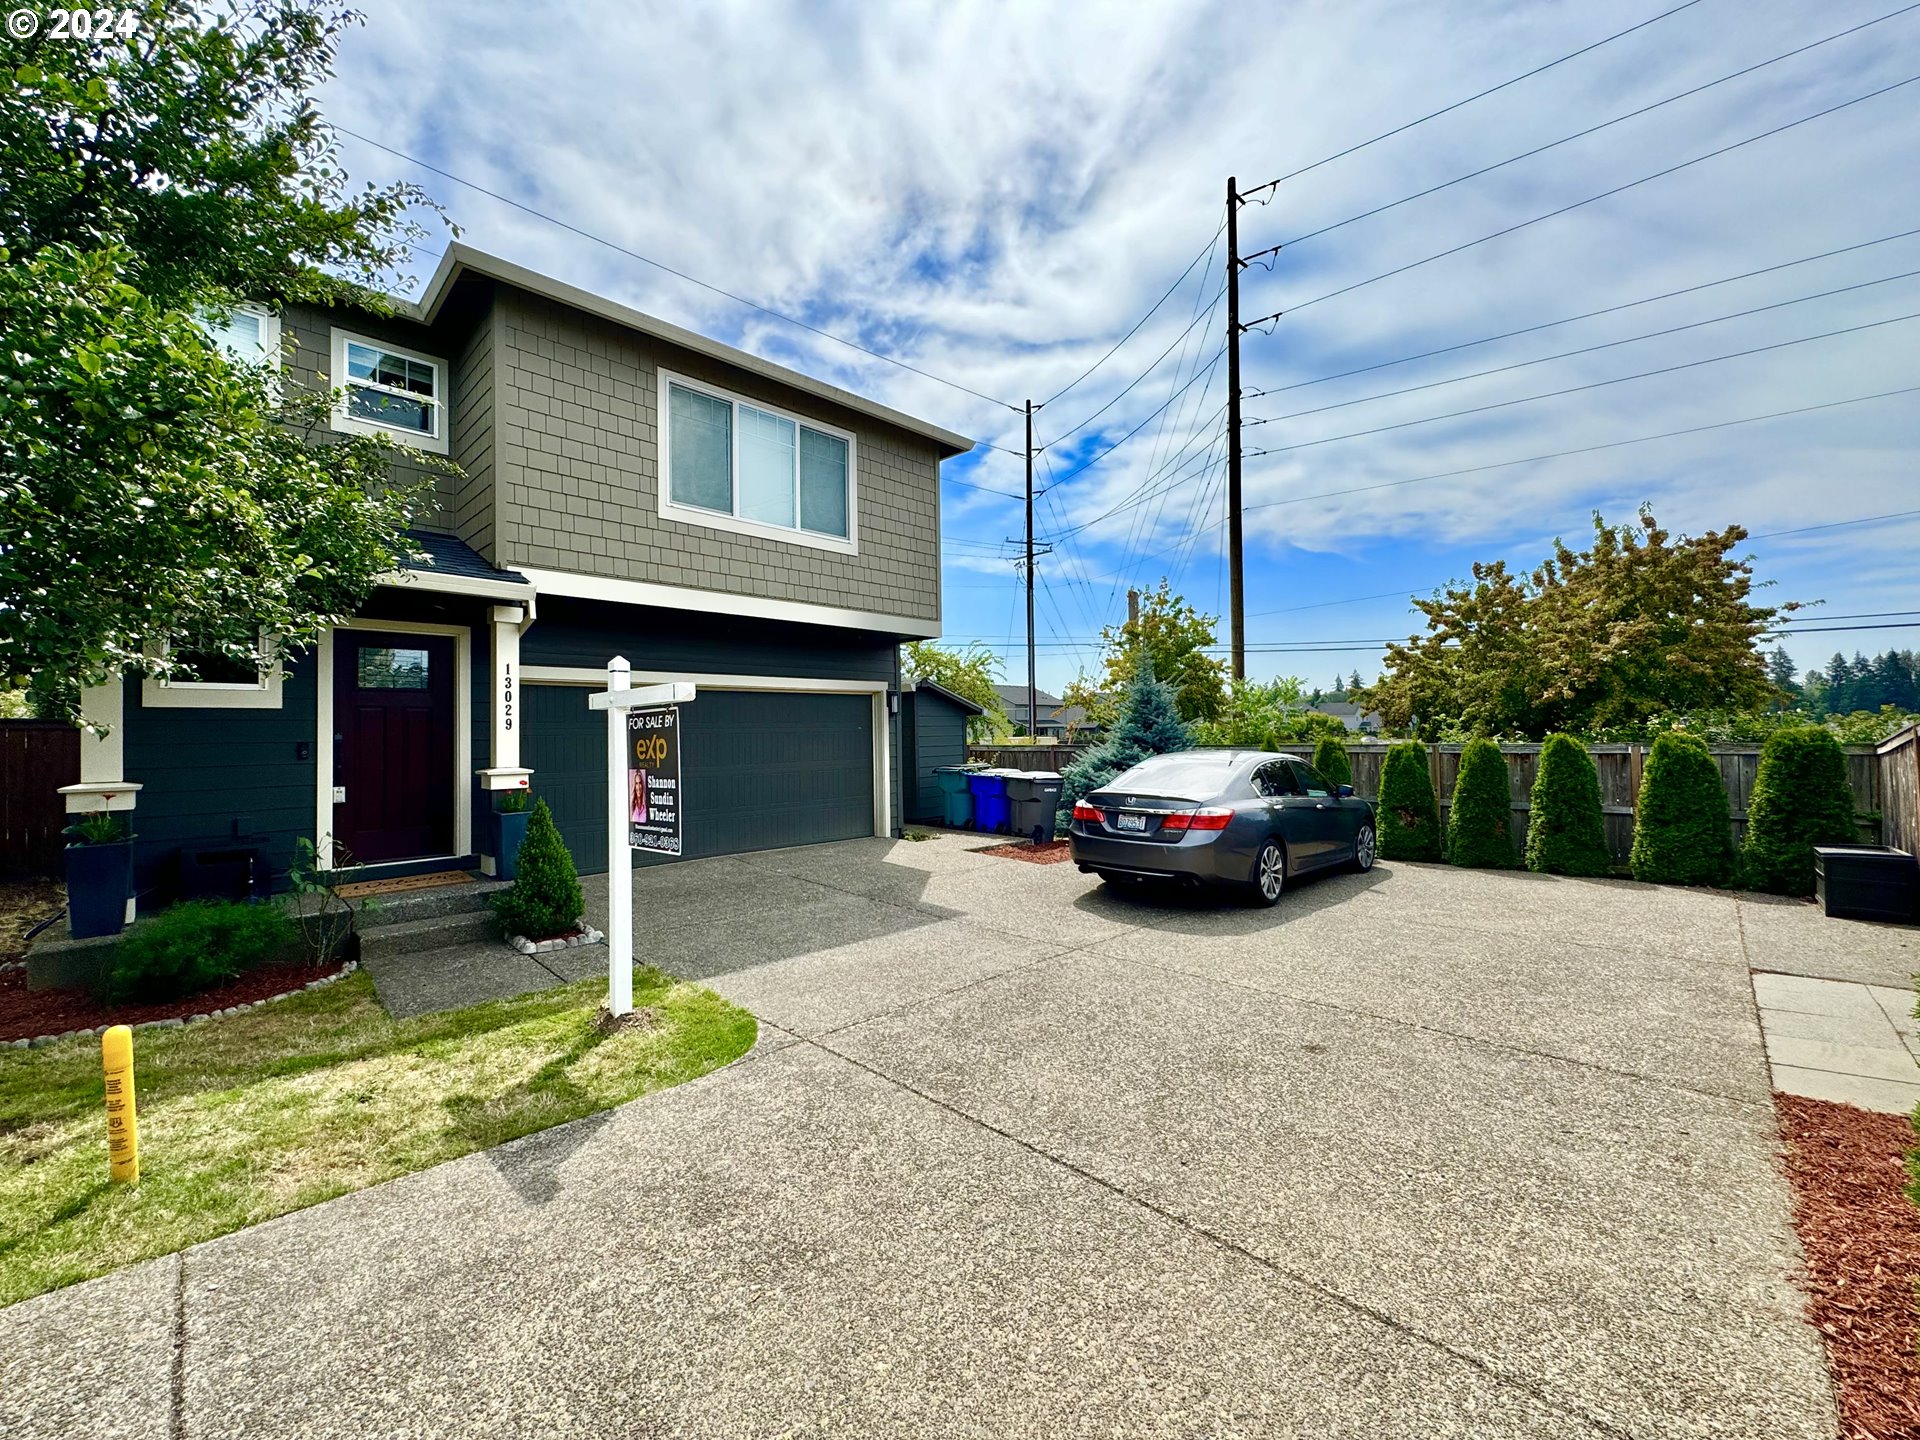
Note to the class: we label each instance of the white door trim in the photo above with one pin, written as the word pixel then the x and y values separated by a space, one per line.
pixel 462 728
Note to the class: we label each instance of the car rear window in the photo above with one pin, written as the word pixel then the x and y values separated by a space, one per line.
pixel 1179 777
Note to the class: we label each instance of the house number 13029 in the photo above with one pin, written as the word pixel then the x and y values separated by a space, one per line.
pixel 506 697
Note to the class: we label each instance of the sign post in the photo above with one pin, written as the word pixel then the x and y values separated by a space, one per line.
pixel 643 802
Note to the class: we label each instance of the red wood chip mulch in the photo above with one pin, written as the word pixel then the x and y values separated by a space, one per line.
pixel 1861 1234
pixel 25 1013
pixel 1050 853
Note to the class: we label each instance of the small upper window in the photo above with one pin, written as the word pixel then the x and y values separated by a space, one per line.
pixel 390 391
pixel 732 460
pixel 248 334
pixel 381 668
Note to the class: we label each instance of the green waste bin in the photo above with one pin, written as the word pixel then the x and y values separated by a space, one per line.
pixel 1033 798
pixel 956 802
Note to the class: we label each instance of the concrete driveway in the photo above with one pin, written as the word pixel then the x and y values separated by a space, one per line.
pixel 1421 1153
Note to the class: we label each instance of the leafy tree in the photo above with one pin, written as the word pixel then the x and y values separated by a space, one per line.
pixel 1566 829
pixel 1480 820
pixel 1149 723
pixel 1409 815
pixel 1800 799
pixel 1681 833
pixel 1262 715
pixel 1637 625
pixel 1330 759
pixel 544 900
pixel 970 673
pixel 156 494
pixel 1174 638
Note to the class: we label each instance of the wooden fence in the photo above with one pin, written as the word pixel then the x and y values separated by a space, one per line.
pixel 37 757
pixel 1621 768
pixel 1898 758
pixel 1025 757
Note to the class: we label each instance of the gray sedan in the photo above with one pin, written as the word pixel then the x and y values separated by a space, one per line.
pixel 1240 817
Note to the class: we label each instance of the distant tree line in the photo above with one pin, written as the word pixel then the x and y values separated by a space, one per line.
pixel 1844 687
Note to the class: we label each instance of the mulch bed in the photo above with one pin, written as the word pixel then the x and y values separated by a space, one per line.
pixel 25 1013
pixel 1051 852
pixel 1861 1234
pixel 23 905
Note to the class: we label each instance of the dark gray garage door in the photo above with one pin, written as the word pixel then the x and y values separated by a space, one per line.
pixel 758 769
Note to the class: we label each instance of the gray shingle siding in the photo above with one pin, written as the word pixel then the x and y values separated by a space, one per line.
pixel 471 511
pixel 576 457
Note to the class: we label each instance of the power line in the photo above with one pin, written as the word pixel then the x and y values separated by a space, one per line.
pixel 1582 450
pixel 1591 199
pixel 1139 494
pixel 1095 460
pixel 1586 315
pixel 1590 130
pixel 1177 340
pixel 1836 525
pixel 1208 250
pixel 1578 389
pixel 663 266
pixel 1457 104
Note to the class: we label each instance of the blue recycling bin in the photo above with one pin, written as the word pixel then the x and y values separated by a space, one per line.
pixel 988 789
pixel 956 801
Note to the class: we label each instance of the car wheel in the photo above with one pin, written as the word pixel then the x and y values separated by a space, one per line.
pixel 1269 874
pixel 1364 849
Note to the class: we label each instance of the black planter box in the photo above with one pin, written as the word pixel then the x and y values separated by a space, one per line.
pixel 1867 882
pixel 510 830
pixel 99 880
pixel 217 874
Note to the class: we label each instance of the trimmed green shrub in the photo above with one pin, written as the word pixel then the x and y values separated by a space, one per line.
pixel 1330 759
pixel 1148 724
pixel 545 899
pixel 1800 799
pixel 1409 814
pixel 1480 820
pixel 194 947
pixel 1681 835
pixel 1566 832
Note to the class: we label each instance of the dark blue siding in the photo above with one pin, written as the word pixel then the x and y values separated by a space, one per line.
pixel 589 633
pixel 939 738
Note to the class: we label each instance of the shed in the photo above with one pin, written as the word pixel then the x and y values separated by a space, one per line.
pixel 933 733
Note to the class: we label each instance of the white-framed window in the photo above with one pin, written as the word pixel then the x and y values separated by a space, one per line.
pixel 216 681
pixel 738 464
pixel 391 391
pixel 249 334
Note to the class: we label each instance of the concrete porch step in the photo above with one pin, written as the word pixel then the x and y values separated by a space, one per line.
pixel 382 911
pixel 426 932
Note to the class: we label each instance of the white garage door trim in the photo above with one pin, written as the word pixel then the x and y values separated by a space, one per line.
pixel 792 684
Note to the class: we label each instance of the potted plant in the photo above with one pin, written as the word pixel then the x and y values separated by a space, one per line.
pixel 99 874
pixel 510 818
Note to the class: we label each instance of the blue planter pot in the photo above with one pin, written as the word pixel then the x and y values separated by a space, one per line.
pixel 99 880
pixel 510 829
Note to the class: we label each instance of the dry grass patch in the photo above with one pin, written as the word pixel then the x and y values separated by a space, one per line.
pixel 296 1102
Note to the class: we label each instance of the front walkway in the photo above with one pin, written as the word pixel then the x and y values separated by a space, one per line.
pixel 1417 1154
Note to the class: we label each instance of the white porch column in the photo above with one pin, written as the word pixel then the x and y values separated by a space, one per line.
pixel 103 782
pixel 504 771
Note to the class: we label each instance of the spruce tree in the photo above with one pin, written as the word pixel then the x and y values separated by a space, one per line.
pixel 1480 820
pixel 545 899
pixel 1681 833
pixel 1330 759
pixel 1800 799
pixel 1409 816
pixel 1149 723
pixel 1566 831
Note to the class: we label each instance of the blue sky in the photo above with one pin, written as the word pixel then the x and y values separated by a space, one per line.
pixel 997 194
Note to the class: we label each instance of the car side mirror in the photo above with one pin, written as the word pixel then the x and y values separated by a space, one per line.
pixel 1345 791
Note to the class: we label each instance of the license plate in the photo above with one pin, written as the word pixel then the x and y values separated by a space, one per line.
pixel 1129 822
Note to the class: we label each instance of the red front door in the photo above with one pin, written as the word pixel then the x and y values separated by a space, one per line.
pixel 392 745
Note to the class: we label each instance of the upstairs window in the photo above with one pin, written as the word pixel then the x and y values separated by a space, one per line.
pixel 738 464
pixel 389 391
pixel 248 334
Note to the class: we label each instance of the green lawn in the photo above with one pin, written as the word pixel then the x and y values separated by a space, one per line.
pixel 249 1117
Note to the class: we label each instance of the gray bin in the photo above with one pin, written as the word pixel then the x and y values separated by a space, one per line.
pixel 1033 798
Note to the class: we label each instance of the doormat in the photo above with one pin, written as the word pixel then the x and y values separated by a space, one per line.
pixel 361 889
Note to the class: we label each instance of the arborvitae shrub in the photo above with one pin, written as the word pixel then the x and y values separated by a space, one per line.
pixel 1330 759
pixel 1409 818
pixel 1480 821
pixel 1566 832
pixel 1149 724
pixel 1681 835
pixel 1800 799
pixel 545 899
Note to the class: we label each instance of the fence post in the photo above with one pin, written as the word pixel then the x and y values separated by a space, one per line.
pixel 1636 764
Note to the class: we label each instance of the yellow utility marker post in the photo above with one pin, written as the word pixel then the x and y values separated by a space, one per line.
pixel 123 1126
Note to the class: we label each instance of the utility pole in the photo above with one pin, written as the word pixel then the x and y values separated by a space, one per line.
pixel 1033 689
pixel 1236 581
pixel 1133 607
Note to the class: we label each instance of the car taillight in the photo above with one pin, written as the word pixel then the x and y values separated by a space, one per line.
pixel 1084 811
pixel 1213 818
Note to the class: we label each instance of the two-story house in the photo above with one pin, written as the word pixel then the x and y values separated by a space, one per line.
pixel 626 488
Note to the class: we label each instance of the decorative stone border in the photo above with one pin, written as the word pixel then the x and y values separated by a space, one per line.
pixel 36 1041
pixel 587 936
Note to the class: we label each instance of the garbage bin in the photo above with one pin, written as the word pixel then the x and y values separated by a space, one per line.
pixel 955 800
pixel 1033 797
pixel 988 789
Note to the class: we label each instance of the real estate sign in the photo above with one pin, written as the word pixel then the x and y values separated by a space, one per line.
pixel 653 779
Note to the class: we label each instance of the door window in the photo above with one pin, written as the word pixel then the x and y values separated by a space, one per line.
pixel 382 668
pixel 1316 788
pixel 1275 779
